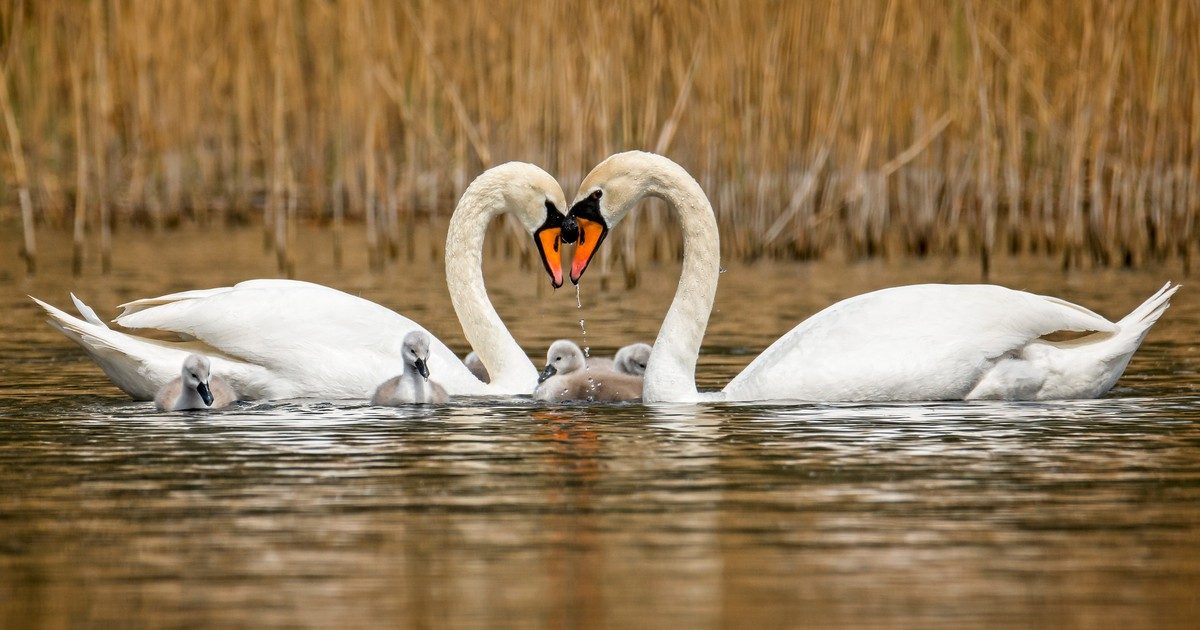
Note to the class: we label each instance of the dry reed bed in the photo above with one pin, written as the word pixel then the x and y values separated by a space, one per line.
pixel 897 127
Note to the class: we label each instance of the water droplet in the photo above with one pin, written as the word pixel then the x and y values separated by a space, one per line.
pixel 721 270
pixel 578 301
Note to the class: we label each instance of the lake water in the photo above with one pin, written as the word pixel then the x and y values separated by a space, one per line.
pixel 503 513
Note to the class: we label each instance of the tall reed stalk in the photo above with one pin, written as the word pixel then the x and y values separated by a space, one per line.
pixel 20 177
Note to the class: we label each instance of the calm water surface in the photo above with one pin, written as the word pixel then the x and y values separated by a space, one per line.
pixel 503 513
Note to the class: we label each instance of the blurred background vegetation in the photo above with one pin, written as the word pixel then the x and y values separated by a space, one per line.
pixel 862 128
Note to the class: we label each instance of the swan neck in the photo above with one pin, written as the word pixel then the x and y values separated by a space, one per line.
pixel 507 364
pixel 189 398
pixel 671 371
pixel 418 383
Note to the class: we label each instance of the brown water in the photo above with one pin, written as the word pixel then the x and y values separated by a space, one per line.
pixel 307 513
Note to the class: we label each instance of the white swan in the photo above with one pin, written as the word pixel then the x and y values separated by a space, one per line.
pixel 921 342
pixel 285 338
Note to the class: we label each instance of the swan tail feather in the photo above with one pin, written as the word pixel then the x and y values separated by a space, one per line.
pixel 1143 317
pixel 134 366
pixel 1133 328
pixel 1117 350
pixel 87 312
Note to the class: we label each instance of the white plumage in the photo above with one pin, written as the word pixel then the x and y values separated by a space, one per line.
pixel 267 338
pixel 920 342
pixel 286 338
pixel 946 342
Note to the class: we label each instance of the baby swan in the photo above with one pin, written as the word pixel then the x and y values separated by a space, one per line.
pixel 475 365
pixel 413 385
pixel 566 378
pixel 632 359
pixel 195 388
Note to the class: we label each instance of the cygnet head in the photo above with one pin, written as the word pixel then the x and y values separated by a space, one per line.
pixel 563 357
pixel 536 200
pixel 197 370
pixel 632 359
pixel 416 352
pixel 610 191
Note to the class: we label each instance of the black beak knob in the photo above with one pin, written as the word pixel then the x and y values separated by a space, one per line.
pixel 570 230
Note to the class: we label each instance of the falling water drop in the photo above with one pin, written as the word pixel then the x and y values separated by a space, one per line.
pixel 582 329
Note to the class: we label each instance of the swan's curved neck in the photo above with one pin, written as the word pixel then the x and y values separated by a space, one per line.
pixel 506 363
pixel 671 371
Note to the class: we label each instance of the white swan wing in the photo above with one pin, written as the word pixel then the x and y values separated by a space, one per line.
pixel 312 340
pixel 139 366
pixel 919 342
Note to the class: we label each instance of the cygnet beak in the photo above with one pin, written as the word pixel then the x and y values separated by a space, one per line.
pixel 422 368
pixel 205 394
pixel 546 373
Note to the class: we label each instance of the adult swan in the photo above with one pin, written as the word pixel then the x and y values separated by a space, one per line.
pixel 920 342
pixel 285 338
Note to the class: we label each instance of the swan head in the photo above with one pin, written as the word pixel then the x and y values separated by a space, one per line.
pixel 563 357
pixel 607 194
pixel 537 201
pixel 632 359
pixel 415 351
pixel 197 370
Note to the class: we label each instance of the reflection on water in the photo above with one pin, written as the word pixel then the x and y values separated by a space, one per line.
pixel 512 513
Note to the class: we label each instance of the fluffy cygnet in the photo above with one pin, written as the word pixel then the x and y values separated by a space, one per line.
pixel 195 388
pixel 567 377
pixel 413 385
pixel 475 365
pixel 632 359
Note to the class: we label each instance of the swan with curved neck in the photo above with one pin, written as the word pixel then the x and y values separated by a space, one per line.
pixel 918 342
pixel 285 338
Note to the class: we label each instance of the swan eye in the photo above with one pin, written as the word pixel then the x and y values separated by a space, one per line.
pixel 596 194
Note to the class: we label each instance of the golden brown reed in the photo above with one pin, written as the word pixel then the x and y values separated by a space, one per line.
pixel 882 127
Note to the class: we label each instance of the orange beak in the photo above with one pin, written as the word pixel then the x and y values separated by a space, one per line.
pixel 549 241
pixel 591 235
